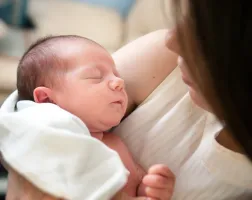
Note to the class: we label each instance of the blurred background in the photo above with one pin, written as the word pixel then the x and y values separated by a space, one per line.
pixel 112 23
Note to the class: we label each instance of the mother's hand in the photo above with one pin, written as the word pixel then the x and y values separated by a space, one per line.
pixel 20 188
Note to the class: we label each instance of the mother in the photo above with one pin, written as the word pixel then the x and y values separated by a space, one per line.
pixel 208 158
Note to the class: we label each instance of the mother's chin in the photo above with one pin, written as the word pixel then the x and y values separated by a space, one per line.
pixel 194 92
pixel 198 99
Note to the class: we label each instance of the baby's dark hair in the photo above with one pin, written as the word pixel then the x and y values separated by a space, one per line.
pixel 39 64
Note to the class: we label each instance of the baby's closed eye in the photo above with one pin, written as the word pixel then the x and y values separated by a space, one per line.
pixel 93 73
pixel 94 77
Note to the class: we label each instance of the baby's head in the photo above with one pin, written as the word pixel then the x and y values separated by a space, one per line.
pixel 78 75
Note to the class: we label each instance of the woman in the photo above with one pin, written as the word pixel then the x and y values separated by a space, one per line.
pixel 207 157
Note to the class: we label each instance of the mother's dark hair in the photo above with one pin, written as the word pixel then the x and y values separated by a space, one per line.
pixel 216 41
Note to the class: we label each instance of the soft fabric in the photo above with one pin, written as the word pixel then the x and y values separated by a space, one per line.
pixel 121 6
pixel 13 44
pixel 8 68
pixel 53 149
pixel 63 17
pixel 14 12
pixel 147 16
pixel 3 29
pixel 169 128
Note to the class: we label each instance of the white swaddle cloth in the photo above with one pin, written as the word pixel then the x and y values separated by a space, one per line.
pixel 54 150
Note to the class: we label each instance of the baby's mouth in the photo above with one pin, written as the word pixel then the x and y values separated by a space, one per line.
pixel 118 102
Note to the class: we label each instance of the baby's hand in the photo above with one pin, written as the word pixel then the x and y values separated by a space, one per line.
pixel 159 182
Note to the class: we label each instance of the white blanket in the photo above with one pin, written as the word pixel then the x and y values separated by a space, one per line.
pixel 53 149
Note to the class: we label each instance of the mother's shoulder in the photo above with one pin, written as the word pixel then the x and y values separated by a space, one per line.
pixel 144 64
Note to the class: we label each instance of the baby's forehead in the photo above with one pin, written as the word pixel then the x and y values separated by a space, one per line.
pixel 70 46
pixel 81 52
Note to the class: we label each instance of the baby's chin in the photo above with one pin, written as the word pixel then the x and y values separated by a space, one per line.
pixel 111 125
pixel 105 125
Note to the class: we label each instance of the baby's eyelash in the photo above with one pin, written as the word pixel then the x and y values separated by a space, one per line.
pixel 96 74
pixel 97 77
pixel 94 77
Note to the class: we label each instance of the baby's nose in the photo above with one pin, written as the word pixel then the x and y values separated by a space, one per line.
pixel 116 84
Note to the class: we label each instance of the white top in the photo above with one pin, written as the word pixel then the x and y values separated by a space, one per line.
pixel 54 150
pixel 168 128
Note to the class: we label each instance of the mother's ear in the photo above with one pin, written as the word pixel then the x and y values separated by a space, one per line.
pixel 43 95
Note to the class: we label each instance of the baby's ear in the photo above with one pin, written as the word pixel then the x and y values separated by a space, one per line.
pixel 43 95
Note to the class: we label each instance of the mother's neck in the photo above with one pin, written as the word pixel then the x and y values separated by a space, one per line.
pixel 224 138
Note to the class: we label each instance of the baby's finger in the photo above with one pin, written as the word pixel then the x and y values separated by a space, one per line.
pixel 157 181
pixel 161 170
pixel 159 194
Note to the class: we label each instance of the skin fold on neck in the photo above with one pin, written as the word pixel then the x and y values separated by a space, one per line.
pixel 98 135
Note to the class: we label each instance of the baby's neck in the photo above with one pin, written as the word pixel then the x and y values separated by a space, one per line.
pixel 97 135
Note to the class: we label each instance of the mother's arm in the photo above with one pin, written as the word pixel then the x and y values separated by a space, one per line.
pixel 144 64
pixel 20 188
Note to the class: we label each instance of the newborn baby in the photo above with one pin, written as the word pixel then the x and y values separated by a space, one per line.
pixel 79 76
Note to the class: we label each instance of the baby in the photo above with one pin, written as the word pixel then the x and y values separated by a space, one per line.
pixel 79 76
